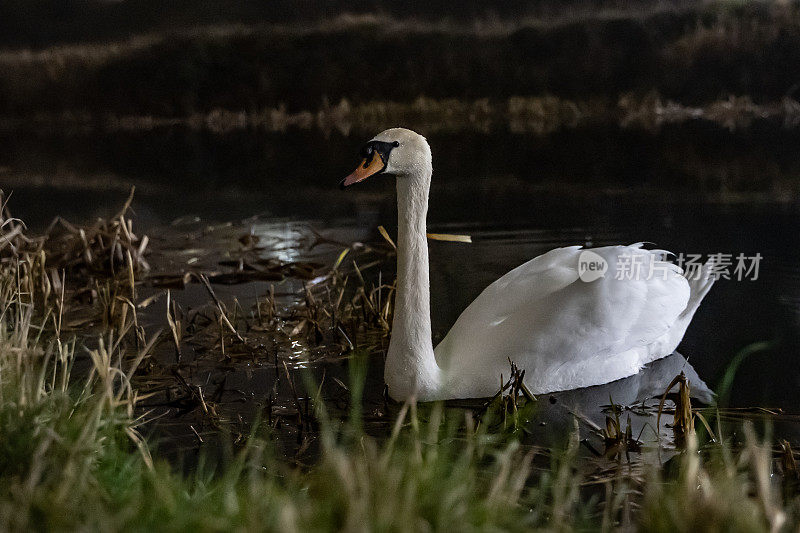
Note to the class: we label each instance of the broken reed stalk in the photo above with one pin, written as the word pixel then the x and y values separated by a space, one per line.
pixel 616 439
pixel 223 316
pixel 788 462
pixel 174 326
pixel 295 397
pixel 684 416
pixel 683 419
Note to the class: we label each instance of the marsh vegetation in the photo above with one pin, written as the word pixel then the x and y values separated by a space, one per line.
pixel 113 392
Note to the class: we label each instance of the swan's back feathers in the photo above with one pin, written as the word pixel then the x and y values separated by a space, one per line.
pixel 563 331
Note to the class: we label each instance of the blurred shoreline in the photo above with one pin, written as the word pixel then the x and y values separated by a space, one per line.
pixel 690 55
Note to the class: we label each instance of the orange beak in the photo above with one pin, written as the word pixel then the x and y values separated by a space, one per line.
pixel 364 170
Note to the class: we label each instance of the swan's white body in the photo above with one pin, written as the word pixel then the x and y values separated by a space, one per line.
pixel 564 332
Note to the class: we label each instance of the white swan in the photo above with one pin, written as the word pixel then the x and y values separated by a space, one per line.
pixel 564 332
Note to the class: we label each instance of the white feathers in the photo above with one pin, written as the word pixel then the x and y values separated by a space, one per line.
pixel 566 333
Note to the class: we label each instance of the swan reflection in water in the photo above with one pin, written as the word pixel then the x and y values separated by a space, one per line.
pixel 554 417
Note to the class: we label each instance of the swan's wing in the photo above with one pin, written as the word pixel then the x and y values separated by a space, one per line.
pixel 542 316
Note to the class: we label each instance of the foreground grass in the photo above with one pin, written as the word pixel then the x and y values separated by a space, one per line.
pixel 71 457
pixel 69 460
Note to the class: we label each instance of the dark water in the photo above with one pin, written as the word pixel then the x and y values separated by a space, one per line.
pixel 692 189
pixel 485 178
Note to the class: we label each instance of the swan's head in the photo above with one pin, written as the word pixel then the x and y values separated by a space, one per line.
pixel 395 152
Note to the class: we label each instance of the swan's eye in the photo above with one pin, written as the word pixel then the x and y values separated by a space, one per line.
pixel 366 151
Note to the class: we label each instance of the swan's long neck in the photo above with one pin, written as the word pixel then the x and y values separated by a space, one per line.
pixel 411 368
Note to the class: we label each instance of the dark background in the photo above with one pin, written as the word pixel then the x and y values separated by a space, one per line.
pixel 178 58
pixel 551 123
